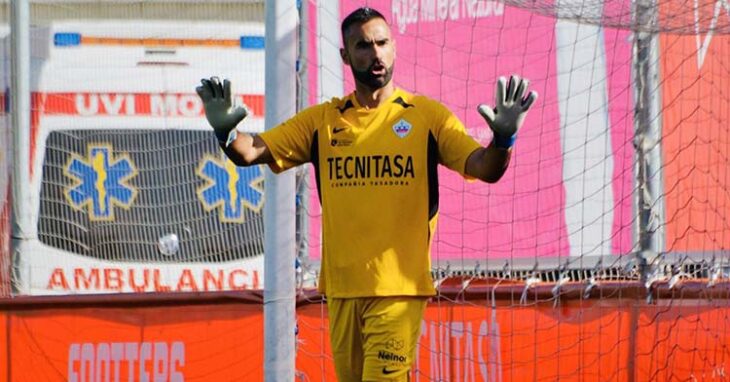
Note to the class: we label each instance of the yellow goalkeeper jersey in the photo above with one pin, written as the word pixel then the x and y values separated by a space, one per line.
pixel 378 186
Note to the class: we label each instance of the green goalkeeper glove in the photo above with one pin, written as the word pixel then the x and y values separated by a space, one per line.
pixel 510 110
pixel 219 108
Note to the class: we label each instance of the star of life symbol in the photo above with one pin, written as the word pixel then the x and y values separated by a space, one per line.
pixel 100 181
pixel 230 188
pixel 402 128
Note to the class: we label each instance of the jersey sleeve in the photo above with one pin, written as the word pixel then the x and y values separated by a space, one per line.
pixel 290 143
pixel 454 143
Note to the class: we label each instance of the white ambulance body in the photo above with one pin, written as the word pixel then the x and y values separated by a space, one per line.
pixel 130 192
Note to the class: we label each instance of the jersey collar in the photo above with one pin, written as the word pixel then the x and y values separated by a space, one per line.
pixel 396 93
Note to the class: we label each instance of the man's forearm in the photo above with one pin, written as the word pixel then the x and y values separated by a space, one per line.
pixel 246 150
pixel 488 163
pixel 233 155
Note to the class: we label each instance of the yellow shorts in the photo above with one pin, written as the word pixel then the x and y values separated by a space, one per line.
pixel 374 338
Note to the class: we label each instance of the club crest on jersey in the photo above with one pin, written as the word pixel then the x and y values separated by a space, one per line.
pixel 402 128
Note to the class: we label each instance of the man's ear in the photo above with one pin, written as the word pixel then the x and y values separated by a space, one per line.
pixel 344 56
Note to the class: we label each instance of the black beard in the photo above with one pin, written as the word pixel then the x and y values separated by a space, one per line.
pixel 370 81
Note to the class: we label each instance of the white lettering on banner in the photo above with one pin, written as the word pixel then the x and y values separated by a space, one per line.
pixel 87 104
pixel 703 45
pixel 163 104
pixel 172 105
pixel 189 105
pixel 138 104
pixel 129 104
pixel 445 347
pixel 407 12
pixel 111 104
pixel 151 280
pixel 91 362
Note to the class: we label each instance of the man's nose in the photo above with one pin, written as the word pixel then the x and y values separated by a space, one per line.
pixel 379 52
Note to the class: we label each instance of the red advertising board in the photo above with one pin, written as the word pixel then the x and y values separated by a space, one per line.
pixel 584 340
pixel 219 337
pixel 208 342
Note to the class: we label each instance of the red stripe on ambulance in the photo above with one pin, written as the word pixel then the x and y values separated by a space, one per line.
pixel 88 104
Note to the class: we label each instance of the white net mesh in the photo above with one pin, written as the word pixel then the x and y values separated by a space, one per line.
pixel 130 189
pixel 547 274
pixel 541 276
pixel 687 17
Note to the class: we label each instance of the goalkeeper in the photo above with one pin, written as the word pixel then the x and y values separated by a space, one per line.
pixel 375 153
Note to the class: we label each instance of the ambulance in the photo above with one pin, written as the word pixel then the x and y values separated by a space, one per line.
pixel 129 189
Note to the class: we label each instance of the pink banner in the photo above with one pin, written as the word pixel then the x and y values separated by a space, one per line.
pixel 454 52
pixel 621 118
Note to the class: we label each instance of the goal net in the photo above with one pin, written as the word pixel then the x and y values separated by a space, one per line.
pixel 129 191
pixel 601 254
pixel 624 145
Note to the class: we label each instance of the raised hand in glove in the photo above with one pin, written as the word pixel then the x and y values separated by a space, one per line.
pixel 510 110
pixel 222 115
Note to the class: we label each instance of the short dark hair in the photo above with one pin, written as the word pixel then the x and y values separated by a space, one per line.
pixel 359 16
